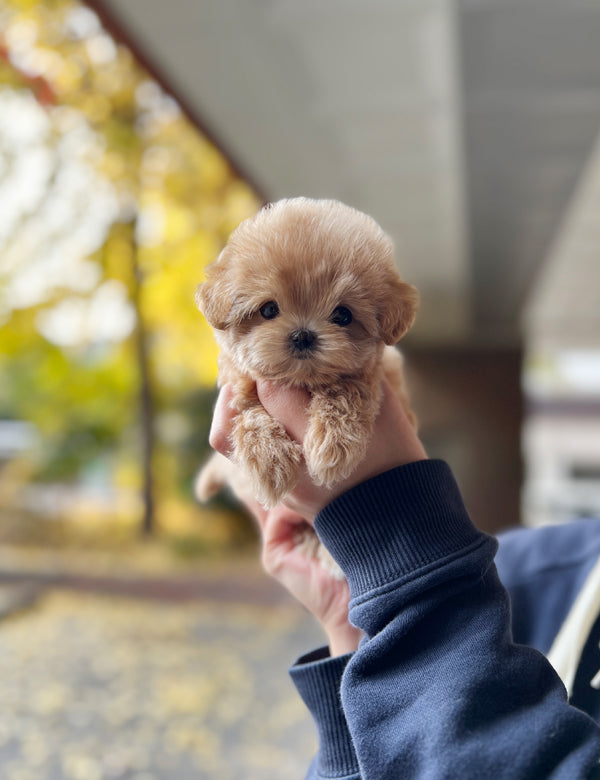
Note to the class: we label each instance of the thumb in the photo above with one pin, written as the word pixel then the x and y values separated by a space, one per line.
pixel 286 404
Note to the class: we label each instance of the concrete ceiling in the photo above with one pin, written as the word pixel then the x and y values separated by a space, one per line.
pixel 464 127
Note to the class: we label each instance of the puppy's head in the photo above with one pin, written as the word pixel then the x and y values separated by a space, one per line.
pixel 306 289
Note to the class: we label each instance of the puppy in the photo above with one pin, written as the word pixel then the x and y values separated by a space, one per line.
pixel 305 293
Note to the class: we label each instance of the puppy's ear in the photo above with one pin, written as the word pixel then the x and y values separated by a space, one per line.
pixel 213 297
pixel 398 311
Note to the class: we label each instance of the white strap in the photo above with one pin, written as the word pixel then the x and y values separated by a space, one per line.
pixel 568 645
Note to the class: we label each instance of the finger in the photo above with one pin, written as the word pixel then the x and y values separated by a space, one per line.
pixel 281 524
pixel 280 531
pixel 286 404
pixel 405 446
pixel 222 422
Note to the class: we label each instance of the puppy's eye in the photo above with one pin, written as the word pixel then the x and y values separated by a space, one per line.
pixel 341 316
pixel 269 310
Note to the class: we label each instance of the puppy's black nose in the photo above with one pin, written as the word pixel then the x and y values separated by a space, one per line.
pixel 302 340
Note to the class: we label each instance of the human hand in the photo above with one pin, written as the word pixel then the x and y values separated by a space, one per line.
pixel 300 572
pixel 394 443
pixel 304 576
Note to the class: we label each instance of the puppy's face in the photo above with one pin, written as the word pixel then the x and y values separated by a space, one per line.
pixel 306 290
pixel 299 332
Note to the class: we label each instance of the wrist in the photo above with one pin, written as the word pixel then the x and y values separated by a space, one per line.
pixel 343 639
pixel 408 519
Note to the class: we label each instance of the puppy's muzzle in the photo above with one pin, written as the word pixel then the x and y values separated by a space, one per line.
pixel 303 342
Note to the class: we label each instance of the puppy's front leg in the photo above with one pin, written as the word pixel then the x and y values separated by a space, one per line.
pixel 341 423
pixel 266 453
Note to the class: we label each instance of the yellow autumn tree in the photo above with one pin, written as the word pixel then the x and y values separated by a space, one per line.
pixel 101 346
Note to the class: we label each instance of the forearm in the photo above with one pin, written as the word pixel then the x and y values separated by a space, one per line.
pixel 438 688
pixel 317 677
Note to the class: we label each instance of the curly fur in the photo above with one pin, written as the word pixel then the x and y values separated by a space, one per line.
pixel 309 257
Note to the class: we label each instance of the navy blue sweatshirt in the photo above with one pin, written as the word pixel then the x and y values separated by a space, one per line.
pixel 439 687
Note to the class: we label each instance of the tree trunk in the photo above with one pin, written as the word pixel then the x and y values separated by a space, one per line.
pixel 146 400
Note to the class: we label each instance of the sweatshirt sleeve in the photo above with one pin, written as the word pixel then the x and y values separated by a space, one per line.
pixel 438 689
pixel 317 677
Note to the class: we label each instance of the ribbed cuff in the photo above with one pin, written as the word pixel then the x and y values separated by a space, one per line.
pixel 317 678
pixel 396 524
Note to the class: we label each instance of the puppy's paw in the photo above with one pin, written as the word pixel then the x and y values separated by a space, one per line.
pixel 269 457
pixel 332 455
pixel 341 424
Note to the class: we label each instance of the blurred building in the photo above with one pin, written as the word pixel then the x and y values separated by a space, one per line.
pixel 562 453
pixel 468 129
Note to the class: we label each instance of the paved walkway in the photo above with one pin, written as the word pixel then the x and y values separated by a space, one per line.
pixel 183 680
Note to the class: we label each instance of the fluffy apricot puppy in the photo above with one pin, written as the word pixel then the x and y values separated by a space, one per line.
pixel 305 293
